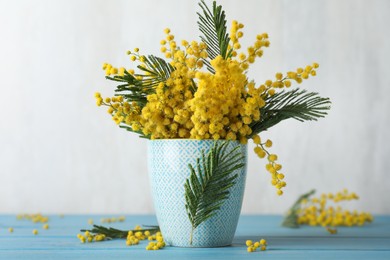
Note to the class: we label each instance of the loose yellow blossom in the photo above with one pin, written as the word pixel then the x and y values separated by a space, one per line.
pixel 318 212
pixel 38 218
pixel 134 238
pixel 88 237
pixel 252 247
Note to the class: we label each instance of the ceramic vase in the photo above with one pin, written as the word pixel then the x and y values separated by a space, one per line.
pixel 168 161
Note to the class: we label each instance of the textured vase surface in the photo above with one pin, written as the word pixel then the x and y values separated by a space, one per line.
pixel 168 170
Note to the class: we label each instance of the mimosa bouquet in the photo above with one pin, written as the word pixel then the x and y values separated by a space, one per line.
pixel 201 90
pixel 197 93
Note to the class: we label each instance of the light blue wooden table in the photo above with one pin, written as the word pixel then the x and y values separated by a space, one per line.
pixel 60 242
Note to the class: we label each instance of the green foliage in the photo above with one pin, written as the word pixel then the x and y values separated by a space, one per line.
pixel 157 70
pixel 291 219
pixel 116 233
pixel 132 89
pixel 212 25
pixel 140 133
pixel 208 186
pixel 297 104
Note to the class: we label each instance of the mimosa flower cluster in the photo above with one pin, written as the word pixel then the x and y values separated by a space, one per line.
pixel 224 104
pixel 88 237
pixel 317 212
pixel 253 246
pixel 36 218
pixel 199 99
pixel 156 239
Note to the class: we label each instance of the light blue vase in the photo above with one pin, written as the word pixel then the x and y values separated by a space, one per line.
pixel 168 170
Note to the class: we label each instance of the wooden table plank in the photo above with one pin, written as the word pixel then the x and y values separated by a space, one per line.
pixel 169 255
pixel 369 242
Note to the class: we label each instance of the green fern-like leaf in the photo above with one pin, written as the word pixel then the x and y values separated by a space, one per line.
pixel 130 129
pixel 297 104
pixel 208 186
pixel 156 70
pixel 112 233
pixel 212 25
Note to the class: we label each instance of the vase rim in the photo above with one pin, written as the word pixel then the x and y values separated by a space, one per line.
pixel 189 139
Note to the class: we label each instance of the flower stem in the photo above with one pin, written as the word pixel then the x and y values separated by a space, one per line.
pixel 192 232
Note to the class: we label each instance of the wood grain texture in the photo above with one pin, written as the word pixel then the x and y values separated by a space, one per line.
pixel 60 242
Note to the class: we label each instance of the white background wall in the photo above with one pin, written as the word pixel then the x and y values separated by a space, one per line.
pixel 59 153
